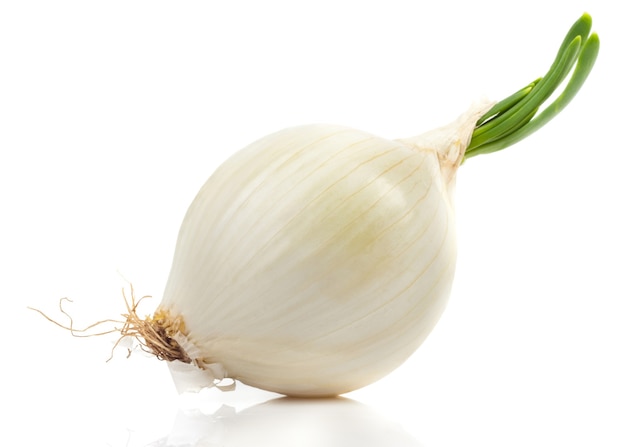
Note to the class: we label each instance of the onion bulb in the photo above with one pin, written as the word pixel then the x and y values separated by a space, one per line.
pixel 316 260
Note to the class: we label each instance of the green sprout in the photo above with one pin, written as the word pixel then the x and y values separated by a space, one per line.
pixel 514 118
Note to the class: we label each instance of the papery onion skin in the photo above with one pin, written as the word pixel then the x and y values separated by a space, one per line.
pixel 316 260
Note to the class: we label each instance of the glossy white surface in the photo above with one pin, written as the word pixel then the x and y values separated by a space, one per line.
pixel 113 114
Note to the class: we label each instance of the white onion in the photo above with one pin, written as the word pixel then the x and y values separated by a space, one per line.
pixel 316 260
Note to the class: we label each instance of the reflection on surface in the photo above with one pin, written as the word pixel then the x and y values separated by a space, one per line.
pixel 288 422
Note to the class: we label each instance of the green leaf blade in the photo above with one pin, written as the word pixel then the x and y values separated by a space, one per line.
pixel 514 118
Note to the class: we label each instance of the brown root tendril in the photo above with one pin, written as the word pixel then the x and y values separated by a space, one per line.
pixel 154 334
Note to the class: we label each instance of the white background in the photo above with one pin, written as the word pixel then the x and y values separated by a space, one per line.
pixel 113 113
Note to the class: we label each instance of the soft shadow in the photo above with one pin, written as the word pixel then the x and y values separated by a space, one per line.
pixel 288 422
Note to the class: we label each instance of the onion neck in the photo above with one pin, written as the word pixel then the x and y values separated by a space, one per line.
pixel 450 141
